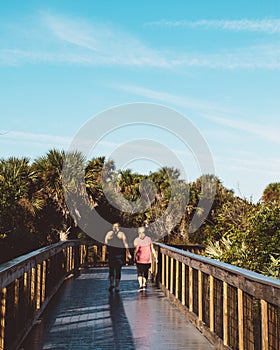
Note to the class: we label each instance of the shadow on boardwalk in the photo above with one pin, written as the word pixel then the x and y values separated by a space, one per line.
pixel 84 315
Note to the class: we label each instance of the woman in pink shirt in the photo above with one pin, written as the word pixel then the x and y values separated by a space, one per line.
pixel 143 257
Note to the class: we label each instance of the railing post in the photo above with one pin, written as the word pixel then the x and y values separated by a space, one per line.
pixel 211 304
pixel 32 289
pixel 177 280
pixel 43 288
pixel 191 289
pixel 162 269
pixel 183 284
pixel 264 317
pixel 104 250
pixel 167 272
pixel 3 318
pixel 157 267
pixel 38 287
pixel 171 275
pixel 223 300
pixel 200 301
pixel 240 319
pixel 225 313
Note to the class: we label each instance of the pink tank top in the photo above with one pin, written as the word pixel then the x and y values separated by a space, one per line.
pixel 143 250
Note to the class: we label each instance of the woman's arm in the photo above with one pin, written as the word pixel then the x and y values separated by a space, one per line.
pixel 126 245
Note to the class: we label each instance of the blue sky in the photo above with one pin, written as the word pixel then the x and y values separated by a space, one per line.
pixel 216 62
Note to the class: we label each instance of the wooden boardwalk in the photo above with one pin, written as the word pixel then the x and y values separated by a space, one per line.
pixel 84 315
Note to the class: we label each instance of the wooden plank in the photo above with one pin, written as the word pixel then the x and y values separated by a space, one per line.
pixel 104 251
pixel 200 294
pixel 264 325
pixel 171 275
pixel 32 289
pixel 190 289
pixel 167 271
pixel 3 318
pixel 240 320
pixel 212 304
pixel 38 287
pixel 261 287
pixel 225 313
pixel 183 284
pixel 177 280
pixel 43 288
pixel 163 269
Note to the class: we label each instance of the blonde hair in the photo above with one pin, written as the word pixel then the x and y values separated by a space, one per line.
pixel 141 231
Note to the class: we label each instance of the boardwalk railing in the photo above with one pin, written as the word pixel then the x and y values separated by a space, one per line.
pixel 233 307
pixel 27 284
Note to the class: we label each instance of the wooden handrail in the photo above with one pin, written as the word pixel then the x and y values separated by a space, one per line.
pixel 28 283
pixel 233 307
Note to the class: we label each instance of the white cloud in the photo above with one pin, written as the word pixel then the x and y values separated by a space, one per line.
pixel 60 39
pixel 198 105
pixel 260 130
pixel 106 44
pixel 210 111
pixel 20 136
pixel 250 162
pixel 269 26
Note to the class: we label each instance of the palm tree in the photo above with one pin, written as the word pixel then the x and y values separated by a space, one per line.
pixel 20 202
pixel 60 175
pixel 271 193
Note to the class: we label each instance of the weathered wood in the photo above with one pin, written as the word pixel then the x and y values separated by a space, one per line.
pixel 237 325
pixel 225 311
pixel 191 289
pixel 167 271
pixel 212 337
pixel 38 287
pixel 104 251
pixel 29 282
pixel 240 320
pixel 260 286
pixel 200 296
pixel 3 318
pixel 264 315
pixel 183 284
pixel 44 269
pixel 212 304
pixel 163 269
pixel 38 284
pixel 172 275
pixel 177 280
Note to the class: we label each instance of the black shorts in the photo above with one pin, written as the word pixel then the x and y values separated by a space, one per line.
pixel 143 269
pixel 115 265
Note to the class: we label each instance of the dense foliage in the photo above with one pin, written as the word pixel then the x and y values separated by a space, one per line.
pixel 33 211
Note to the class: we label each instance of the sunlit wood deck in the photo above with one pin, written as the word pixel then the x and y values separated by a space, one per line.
pixel 57 298
pixel 84 315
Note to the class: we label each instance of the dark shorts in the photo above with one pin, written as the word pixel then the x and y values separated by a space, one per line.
pixel 143 269
pixel 115 265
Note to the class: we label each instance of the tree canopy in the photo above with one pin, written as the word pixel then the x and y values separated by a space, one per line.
pixel 33 208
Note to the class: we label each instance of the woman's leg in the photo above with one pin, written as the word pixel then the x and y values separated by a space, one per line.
pixel 118 268
pixel 140 273
pixel 145 274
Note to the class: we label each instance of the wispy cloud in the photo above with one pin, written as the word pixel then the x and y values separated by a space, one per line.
pixel 21 136
pixel 103 43
pixel 183 101
pixel 60 39
pixel 209 110
pixel 269 26
pixel 260 130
